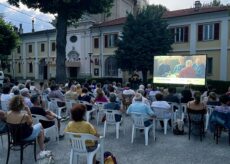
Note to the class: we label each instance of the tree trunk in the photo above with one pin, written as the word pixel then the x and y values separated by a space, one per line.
pixel 144 74
pixel 61 46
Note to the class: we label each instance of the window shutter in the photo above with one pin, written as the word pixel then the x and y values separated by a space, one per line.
pixel 200 32
pixel 216 31
pixel 186 34
pixel 106 41
pixel 116 39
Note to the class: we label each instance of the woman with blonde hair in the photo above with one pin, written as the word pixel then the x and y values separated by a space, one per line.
pixel 20 114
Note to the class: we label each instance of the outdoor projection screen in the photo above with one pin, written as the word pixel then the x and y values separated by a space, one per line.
pixel 180 69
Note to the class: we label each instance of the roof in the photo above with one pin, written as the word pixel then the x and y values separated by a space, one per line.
pixel 114 22
pixel 38 32
pixel 192 11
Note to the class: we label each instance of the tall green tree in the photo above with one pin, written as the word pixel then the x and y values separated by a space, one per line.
pixel 144 35
pixel 216 3
pixel 66 11
pixel 9 39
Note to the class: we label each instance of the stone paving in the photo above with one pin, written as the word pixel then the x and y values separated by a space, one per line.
pixel 167 149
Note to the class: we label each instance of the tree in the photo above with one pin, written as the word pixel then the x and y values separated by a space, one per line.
pixel 66 11
pixel 144 36
pixel 216 3
pixel 9 39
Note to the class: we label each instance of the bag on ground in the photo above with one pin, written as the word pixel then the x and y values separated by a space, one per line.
pixel 109 158
pixel 178 127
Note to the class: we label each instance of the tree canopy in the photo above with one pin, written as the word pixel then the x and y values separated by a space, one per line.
pixel 144 35
pixel 8 38
pixel 8 41
pixel 66 10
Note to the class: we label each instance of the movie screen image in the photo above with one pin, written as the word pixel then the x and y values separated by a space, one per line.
pixel 180 69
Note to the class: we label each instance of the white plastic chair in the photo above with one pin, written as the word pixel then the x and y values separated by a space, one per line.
pixel 53 106
pixel 5 105
pixel 138 123
pixel 178 110
pixel 183 107
pixel 164 115
pixel 100 110
pixel 88 113
pixel 79 147
pixel 110 120
pixel 69 105
pixel 51 131
pixel 45 100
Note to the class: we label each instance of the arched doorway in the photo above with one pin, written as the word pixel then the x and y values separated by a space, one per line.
pixel 111 68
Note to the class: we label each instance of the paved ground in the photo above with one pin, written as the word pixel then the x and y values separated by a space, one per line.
pixel 168 149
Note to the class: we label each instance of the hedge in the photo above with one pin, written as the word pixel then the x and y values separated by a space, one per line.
pixel 220 87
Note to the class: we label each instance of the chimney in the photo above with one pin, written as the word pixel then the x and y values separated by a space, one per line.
pixel 20 29
pixel 33 25
pixel 197 5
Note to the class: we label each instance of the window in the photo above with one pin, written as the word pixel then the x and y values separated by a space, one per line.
pixel 181 34
pixel 19 50
pixel 96 61
pixel 8 68
pixel 42 47
pixel 110 40
pixel 209 65
pixel 30 68
pixel 96 72
pixel 53 46
pixel 30 48
pixel 96 42
pixel 111 68
pixel 208 32
pixel 19 67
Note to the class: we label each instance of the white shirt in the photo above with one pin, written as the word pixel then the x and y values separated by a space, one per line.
pixel 128 92
pixel 144 100
pixel 6 97
pixel 160 104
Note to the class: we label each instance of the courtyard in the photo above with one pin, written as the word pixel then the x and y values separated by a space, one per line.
pixel 167 149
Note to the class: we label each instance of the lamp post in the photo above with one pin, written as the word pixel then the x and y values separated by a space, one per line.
pixel 90 54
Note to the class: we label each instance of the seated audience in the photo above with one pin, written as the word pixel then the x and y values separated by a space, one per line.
pixel 86 98
pixel 3 126
pixel 79 125
pixel 114 105
pixel 221 114
pixel 144 100
pixel 26 96
pixel 71 94
pixel 100 96
pixel 139 107
pixel 78 89
pixel 20 114
pixel 6 96
pixel 172 97
pixel 127 90
pixel 37 109
pixel 159 104
pixel 212 99
pixel 186 95
pixel 196 104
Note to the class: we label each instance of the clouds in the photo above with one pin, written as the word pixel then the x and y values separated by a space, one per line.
pixel 181 4
pixel 25 15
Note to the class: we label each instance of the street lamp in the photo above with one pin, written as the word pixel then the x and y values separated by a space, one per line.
pixel 90 54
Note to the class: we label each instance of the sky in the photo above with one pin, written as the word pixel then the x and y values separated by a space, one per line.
pixel 24 15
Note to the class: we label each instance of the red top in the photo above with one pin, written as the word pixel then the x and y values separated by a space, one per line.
pixel 187 72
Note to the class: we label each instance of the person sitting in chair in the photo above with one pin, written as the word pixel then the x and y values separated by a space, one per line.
pixel 139 107
pixel 20 114
pixel 79 125
pixel 37 109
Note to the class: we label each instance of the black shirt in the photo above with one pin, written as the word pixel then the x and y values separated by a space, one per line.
pixel 42 112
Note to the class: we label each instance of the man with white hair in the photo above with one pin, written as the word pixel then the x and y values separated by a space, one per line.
pixel 144 100
pixel 139 107
pixel 26 95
